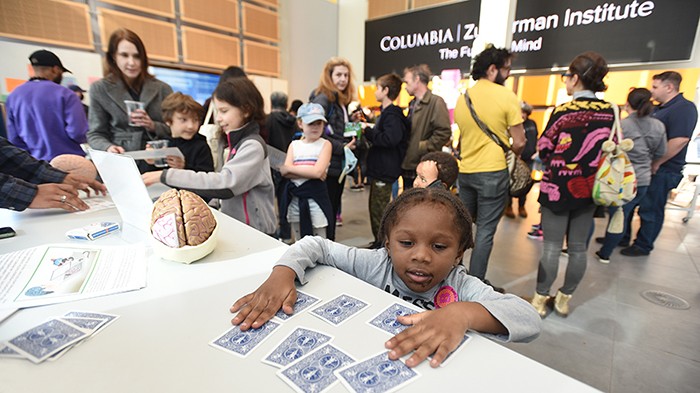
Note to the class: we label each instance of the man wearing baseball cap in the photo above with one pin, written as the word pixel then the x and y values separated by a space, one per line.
pixel 43 117
pixel 78 91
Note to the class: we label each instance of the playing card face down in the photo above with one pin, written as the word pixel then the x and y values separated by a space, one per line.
pixel 243 343
pixel 340 309
pixel 449 357
pixel 42 341
pixel 304 301
pixel 377 374
pixel 107 318
pixel 297 344
pixel 387 319
pixel 314 372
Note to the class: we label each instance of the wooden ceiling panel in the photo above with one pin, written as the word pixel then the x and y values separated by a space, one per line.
pixel 47 21
pixel 225 17
pixel 261 58
pixel 260 23
pixel 159 37
pixel 158 7
pixel 210 49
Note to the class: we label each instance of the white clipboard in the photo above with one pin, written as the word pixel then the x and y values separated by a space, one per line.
pixel 123 180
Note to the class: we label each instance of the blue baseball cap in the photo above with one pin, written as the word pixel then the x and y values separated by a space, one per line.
pixel 309 113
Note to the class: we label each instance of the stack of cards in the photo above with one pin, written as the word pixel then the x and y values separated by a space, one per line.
pixel 51 339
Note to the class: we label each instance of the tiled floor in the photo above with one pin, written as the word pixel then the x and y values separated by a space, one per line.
pixel 614 339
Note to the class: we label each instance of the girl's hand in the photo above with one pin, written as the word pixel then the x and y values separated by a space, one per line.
pixel 175 162
pixel 437 333
pixel 150 178
pixel 254 309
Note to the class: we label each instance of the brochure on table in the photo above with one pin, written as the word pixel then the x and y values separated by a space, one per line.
pixel 58 273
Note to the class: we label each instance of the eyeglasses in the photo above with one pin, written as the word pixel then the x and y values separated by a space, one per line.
pixel 565 76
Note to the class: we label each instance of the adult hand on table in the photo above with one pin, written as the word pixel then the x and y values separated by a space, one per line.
pixel 54 195
pixel 437 332
pixel 254 309
pixel 85 184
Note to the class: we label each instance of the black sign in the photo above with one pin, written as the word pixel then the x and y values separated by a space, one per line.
pixel 440 37
pixel 550 33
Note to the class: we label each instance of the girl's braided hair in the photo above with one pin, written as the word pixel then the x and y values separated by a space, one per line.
pixel 436 196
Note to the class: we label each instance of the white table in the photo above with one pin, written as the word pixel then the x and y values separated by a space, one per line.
pixel 160 342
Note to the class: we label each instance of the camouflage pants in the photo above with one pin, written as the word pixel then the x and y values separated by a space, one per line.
pixel 379 197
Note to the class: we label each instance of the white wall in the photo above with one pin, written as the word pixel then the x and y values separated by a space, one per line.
pixel 352 15
pixel 308 38
pixel 15 60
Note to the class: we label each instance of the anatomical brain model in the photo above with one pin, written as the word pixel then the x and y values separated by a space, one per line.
pixel 181 218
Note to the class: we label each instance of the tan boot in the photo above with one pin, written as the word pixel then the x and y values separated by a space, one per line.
pixel 508 212
pixel 561 303
pixel 539 302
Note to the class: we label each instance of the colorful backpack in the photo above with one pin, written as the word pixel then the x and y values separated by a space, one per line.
pixel 615 181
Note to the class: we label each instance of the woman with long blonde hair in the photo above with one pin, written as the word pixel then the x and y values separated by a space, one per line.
pixel 335 90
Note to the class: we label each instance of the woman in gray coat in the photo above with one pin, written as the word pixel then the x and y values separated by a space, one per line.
pixel 649 137
pixel 126 79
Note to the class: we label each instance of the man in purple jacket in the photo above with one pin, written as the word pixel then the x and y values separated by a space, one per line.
pixel 43 117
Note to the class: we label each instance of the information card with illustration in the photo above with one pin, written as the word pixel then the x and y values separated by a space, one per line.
pixel 59 273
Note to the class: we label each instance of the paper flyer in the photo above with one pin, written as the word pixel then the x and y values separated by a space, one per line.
pixel 58 273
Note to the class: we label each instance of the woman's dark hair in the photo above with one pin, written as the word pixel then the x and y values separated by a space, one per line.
pixel 640 100
pixel 242 93
pixel 232 72
pixel 591 68
pixel 295 106
pixel 112 71
pixel 435 196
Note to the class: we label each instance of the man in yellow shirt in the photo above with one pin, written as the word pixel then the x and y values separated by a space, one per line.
pixel 483 175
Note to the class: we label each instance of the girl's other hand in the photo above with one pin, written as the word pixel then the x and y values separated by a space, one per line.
pixel 256 308
pixel 150 178
pixel 437 333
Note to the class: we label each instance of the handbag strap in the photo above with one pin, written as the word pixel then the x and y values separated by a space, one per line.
pixel 616 129
pixel 483 125
pixel 210 112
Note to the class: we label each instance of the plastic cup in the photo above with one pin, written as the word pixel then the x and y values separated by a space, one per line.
pixel 158 144
pixel 132 106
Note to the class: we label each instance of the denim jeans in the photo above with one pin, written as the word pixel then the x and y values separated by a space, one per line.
pixel 652 207
pixel 575 224
pixel 484 195
pixel 613 239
